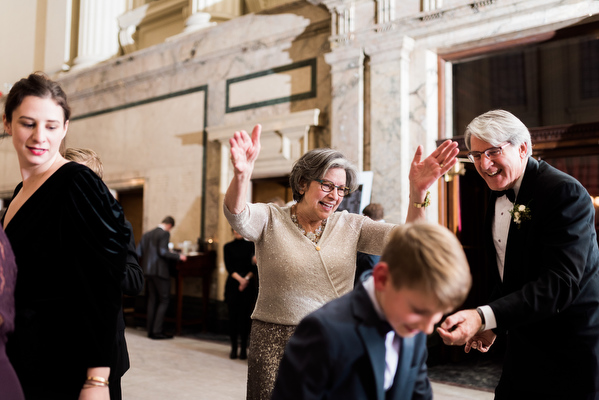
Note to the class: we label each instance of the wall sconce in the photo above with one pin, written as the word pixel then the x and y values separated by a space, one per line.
pixel 595 201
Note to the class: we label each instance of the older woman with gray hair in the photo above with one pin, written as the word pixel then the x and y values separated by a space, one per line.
pixel 306 253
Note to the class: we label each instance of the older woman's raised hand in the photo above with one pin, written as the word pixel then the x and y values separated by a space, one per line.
pixel 245 150
pixel 423 173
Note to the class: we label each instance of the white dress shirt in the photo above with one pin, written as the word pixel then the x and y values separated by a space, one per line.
pixel 501 229
pixel 391 341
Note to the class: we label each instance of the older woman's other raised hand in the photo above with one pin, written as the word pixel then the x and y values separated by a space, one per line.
pixel 423 173
pixel 245 150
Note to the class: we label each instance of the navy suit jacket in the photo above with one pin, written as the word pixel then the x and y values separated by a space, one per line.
pixel 338 352
pixel 548 301
pixel 154 254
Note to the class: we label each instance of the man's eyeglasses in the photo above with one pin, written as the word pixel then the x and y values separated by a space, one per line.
pixel 328 187
pixel 491 153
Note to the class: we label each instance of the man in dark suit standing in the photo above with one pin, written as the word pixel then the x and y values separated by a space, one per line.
pixel 371 343
pixel 155 257
pixel 542 249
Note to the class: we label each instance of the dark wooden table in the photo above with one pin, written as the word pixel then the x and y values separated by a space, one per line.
pixel 201 265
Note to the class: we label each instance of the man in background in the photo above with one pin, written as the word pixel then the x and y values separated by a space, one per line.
pixel 155 258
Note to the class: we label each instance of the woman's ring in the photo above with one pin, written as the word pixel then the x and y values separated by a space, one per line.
pixel 441 165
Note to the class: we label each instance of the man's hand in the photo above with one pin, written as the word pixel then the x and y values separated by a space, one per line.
pixel 481 341
pixel 460 327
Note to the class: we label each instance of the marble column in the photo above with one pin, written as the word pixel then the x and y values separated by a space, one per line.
pixel 431 5
pixel 391 154
pixel 198 17
pixel 98 31
pixel 347 102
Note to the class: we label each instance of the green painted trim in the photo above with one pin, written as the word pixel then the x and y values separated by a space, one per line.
pixel 142 102
pixel 300 96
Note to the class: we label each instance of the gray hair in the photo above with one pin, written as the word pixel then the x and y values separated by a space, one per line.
pixel 496 127
pixel 314 165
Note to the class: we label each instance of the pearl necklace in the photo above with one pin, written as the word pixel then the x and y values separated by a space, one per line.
pixel 313 236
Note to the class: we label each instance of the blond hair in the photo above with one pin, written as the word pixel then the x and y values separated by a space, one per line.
pixel 87 157
pixel 430 258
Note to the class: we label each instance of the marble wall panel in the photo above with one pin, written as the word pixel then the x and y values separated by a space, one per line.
pixel 160 143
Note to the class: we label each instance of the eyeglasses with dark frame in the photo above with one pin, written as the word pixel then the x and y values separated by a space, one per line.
pixel 491 153
pixel 328 186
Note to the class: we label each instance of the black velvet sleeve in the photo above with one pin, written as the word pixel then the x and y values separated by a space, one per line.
pixel 93 224
pixel 133 280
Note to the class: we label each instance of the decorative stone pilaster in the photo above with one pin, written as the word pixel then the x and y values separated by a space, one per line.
pixel 98 31
pixel 385 11
pixel 431 5
pixel 198 18
pixel 128 24
pixel 347 103
pixel 391 153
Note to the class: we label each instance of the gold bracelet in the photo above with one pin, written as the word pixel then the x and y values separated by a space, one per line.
pixel 427 201
pixel 90 385
pixel 97 379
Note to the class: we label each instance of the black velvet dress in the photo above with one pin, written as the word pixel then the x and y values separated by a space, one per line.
pixel 238 256
pixel 69 241
pixel 9 383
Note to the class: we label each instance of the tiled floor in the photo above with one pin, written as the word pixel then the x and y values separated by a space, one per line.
pixel 185 368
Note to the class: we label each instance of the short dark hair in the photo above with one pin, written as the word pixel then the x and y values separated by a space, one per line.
pixel 39 85
pixel 169 220
pixel 375 211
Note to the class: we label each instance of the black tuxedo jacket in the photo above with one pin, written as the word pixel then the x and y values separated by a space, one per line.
pixel 154 254
pixel 548 301
pixel 338 352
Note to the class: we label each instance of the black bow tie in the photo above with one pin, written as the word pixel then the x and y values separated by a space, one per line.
pixel 509 193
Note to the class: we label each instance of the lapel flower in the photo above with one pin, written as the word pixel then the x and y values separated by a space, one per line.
pixel 520 213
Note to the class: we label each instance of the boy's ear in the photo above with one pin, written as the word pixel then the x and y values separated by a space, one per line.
pixel 380 273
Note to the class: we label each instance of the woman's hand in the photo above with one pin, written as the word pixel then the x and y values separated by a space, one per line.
pixel 423 173
pixel 244 153
pixel 245 150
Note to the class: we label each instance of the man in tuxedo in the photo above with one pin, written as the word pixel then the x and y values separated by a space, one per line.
pixel 371 343
pixel 542 249
pixel 155 257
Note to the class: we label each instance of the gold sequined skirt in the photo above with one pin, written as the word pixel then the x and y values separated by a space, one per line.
pixel 267 345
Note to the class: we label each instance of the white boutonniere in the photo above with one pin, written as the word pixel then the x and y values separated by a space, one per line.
pixel 520 213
